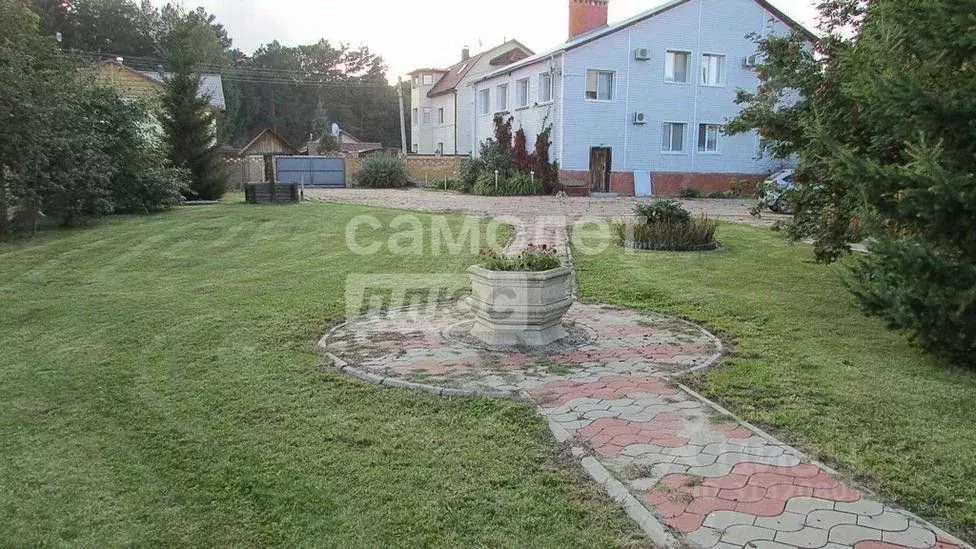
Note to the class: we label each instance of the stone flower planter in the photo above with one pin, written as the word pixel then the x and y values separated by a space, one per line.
pixel 519 308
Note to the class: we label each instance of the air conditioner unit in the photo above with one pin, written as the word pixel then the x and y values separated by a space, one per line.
pixel 640 118
pixel 751 61
pixel 642 54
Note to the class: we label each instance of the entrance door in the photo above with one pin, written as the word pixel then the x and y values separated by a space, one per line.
pixel 600 159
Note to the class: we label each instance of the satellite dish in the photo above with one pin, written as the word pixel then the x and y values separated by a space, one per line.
pixel 335 130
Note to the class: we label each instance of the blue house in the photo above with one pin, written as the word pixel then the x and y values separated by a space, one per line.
pixel 637 107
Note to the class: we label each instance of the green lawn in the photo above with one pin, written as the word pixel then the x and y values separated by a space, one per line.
pixel 806 361
pixel 158 387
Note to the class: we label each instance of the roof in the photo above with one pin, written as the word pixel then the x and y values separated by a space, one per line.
pixel 211 87
pixel 288 147
pixel 428 69
pixel 351 144
pixel 458 71
pixel 596 34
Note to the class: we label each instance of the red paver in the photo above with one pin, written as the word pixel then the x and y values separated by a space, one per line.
pixel 609 436
pixel 607 388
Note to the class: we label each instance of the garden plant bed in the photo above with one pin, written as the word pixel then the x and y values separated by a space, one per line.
pixel 651 246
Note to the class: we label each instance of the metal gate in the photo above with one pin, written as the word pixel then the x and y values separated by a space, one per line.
pixel 311 171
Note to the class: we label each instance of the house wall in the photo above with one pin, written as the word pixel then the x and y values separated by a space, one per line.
pixel 129 82
pixel 700 26
pixel 457 130
pixel 533 118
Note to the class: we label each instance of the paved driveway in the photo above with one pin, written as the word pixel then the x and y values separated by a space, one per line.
pixel 527 207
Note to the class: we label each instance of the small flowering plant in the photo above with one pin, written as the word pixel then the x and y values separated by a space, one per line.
pixel 532 259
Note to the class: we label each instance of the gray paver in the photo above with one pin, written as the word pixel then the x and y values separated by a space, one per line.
pixel 787 522
pixel 705 537
pixel 888 521
pixel 808 538
pixel 804 505
pixel 913 537
pixel 827 519
pixel 849 534
pixel 741 534
pixel 862 507
pixel 721 520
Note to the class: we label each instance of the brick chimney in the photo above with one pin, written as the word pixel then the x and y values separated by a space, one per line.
pixel 586 15
pixel 465 53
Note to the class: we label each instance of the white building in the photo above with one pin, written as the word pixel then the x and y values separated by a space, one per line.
pixel 442 100
pixel 635 107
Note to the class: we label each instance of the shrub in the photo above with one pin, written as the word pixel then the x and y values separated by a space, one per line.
pixel 468 174
pixel 382 172
pixel 690 192
pixel 662 211
pixel 519 184
pixel 695 235
pixel 723 194
pixel 533 259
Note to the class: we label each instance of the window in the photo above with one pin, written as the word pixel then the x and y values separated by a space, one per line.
pixel 440 148
pixel 673 137
pixel 713 70
pixel 545 87
pixel 599 85
pixel 440 115
pixel 416 81
pixel 416 117
pixel 426 116
pixel 416 148
pixel 676 66
pixel 484 102
pixel 428 79
pixel 502 98
pixel 522 93
pixel 708 137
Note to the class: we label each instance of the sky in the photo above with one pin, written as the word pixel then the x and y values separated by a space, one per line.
pixel 411 34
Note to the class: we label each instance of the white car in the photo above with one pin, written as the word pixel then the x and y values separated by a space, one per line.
pixel 776 192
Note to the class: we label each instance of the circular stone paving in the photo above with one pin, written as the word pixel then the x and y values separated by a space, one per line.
pixel 432 348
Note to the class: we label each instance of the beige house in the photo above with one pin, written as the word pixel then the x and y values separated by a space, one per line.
pixel 442 102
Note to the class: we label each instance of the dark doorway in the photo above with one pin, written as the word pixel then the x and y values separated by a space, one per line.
pixel 600 164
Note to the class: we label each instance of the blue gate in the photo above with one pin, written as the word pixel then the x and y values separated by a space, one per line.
pixel 311 171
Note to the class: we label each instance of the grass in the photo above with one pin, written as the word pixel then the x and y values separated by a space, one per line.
pixel 806 361
pixel 159 387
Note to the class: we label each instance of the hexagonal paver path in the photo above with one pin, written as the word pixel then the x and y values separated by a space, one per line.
pixel 714 481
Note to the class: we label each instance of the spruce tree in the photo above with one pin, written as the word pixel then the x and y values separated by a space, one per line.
pixel 188 119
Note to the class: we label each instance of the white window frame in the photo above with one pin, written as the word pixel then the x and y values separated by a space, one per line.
pixel 416 148
pixel 723 70
pixel 484 102
pixel 440 115
pixel 684 137
pixel 501 97
pixel 520 101
pixel 613 85
pixel 439 149
pixel 427 116
pixel 548 89
pixel 428 79
pixel 704 127
pixel 669 76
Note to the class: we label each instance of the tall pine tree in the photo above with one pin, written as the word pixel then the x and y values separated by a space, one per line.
pixel 190 124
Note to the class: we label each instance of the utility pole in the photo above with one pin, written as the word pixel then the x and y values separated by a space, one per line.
pixel 403 121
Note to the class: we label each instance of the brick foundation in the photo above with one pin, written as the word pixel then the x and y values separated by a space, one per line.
pixel 622 183
pixel 670 184
pixel 664 184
